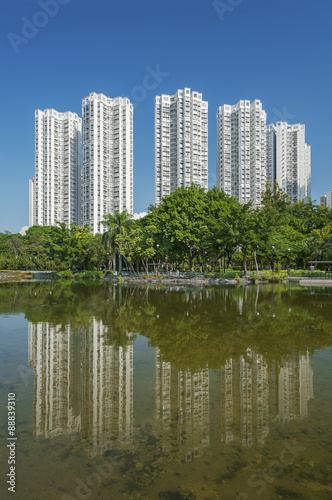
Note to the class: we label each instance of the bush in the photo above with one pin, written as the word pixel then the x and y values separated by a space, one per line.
pixel 65 275
pixel 231 274
pixel 270 276
pixel 298 273
pixel 90 275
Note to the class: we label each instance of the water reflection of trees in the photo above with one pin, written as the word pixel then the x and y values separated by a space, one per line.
pixel 192 328
pixel 259 340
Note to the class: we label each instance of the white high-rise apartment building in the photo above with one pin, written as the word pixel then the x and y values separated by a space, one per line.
pixel 107 178
pixel 241 150
pixel 55 192
pixel 289 160
pixel 181 142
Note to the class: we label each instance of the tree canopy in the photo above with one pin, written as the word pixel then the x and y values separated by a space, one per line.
pixel 190 230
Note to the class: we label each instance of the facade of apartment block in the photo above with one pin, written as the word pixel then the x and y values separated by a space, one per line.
pixel 181 142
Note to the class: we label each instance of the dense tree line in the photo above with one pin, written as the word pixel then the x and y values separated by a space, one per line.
pixel 190 230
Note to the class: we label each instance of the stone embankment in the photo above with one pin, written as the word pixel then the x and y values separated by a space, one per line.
pixel 186 280
pixel 15 275
pixel 25 275
pixel 183 280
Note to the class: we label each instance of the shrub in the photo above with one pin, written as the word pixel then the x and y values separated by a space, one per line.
pixel 65 274
pixel 298 273
pixel 89 275
pixel 270 276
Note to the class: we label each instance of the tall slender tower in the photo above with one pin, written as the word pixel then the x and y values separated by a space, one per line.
pixel 55 191
pixel 290 165
pixel 241 150
pixel 181 142
pixel 107 178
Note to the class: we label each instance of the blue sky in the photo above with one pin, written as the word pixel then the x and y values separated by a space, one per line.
pixel 278 52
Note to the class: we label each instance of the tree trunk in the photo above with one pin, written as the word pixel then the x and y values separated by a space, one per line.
pixel 114 260
pixel 256 263
pixel 244 260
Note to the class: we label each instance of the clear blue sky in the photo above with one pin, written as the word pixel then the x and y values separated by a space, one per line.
pixel 278 52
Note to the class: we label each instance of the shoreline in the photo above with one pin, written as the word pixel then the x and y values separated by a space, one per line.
pixel 198 280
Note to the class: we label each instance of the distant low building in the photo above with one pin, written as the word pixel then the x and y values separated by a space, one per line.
pixel 329 198
pixel 23 230
pixel 326 199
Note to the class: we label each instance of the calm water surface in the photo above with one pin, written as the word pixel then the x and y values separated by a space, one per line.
pixel 175 394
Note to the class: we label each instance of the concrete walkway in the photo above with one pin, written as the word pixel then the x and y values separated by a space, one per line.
pixel 313 282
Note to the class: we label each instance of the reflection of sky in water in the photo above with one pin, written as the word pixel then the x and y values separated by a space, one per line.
pixel 133 400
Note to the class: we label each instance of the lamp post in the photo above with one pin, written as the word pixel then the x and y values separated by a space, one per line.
pixel 272 258
pixel 157 257
pixel 289 261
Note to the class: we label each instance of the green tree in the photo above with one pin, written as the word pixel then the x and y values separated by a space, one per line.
pixel 181 222
pixel 115 224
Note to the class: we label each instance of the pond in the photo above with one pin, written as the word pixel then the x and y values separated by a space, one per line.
pixel 167 393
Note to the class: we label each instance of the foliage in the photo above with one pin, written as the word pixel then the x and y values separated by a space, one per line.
pixel 298 273
pixel 65 275
pixel 91 275
pixel 191 230
pixel 192 329
pixel 116 225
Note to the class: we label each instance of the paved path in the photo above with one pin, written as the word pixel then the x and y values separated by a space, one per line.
pixel 313 282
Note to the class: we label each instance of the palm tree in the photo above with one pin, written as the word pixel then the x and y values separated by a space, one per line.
pixel 116 224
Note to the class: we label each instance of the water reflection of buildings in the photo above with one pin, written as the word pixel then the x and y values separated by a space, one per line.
pixel 81 384
pixel 182 404
pixel 55 352
pixel 295 386
pixel 107 392
pixel 253 393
